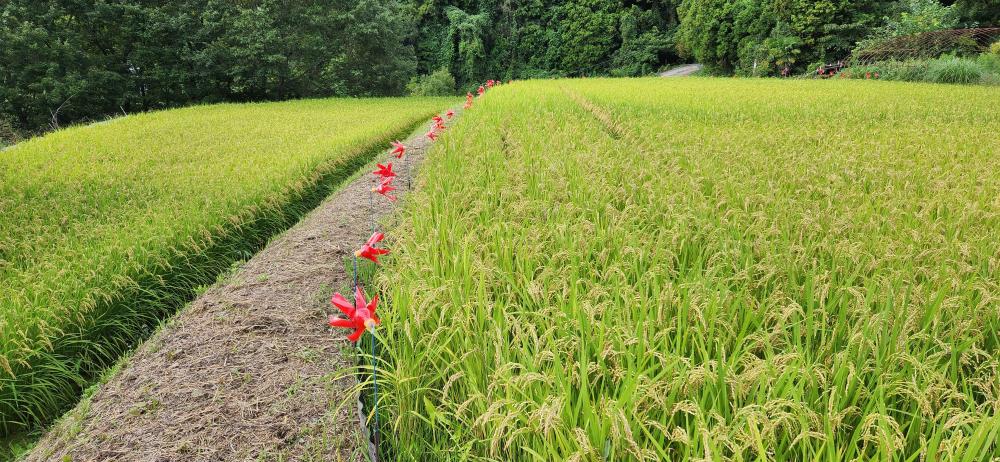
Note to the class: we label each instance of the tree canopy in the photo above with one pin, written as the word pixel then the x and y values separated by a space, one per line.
pixel 63 61
pixel 71 60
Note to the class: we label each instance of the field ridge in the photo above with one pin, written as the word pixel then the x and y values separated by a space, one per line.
pixel 249 370
pixel 128 308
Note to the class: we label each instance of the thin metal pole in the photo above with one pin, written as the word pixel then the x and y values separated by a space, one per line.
pixel 375 437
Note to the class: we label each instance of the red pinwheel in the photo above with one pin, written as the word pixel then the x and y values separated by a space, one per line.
pixel 875 75
pixel 432 135
pixel 450 113
pixel 467 105
pixel 400 150
pixel 489 83
pixel 385 171
pixel 360 315
pixel 868 75
pixel 481 90
pixel 369 250
pixel 384 188
pixel 438 123
pixel 468 96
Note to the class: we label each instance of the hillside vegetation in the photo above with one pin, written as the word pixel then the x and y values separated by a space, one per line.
pixel 69 61
pixel 701 269
pixel 105 229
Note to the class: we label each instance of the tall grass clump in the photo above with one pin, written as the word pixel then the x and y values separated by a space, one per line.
pixel 983 69
pixel 105 229
pixel 701 269
pixel 954 70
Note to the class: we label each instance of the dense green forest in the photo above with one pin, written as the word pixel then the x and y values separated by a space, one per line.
pixel 65 61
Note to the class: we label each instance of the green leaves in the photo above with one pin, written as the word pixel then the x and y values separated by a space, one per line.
pixel 760 38
pixel 91 60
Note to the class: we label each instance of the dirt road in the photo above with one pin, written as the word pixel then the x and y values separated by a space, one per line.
pixel 681 71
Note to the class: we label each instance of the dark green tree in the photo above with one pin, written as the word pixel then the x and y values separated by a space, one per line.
pixel 63 61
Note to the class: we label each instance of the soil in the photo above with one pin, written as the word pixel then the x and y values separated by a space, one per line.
pixel 249 370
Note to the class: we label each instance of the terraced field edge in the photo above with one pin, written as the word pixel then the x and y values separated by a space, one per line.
pixel 33 398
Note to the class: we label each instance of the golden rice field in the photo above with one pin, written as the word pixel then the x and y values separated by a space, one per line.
pixel 701 269
pixel 105 229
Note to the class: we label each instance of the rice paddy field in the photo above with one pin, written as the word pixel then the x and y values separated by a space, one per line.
pixel 701 269
pixel 108 228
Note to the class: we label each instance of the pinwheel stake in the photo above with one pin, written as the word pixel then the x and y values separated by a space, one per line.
pixel 384 171
pixel 360 315
pixel 385 187
pixel 369 251
pixel 399 149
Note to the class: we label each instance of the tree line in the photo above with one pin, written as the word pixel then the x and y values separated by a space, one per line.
pixel 65 61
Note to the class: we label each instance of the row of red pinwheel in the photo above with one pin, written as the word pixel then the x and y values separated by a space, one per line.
pixel 360 315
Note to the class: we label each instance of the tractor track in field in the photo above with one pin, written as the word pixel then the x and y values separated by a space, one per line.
pixel 246 371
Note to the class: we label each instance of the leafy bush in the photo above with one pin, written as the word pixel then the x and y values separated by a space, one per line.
pixel 917 16
pixel 8 133
pixel 922 16
pixel 438 83
pixel 643 45
pixel 954 70
pixel 909 71
pixel 990 62
pixel 762 37
pixel 995 48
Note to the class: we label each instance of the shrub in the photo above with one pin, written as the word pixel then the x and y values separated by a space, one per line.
pixel 984 69
pixel 954 70
pixel 990 62
pixel 911 71
pixel 917 16
pixel 438 83
pixel 8 133
pixel 995 48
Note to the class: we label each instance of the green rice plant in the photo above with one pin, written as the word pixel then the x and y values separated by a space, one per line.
pixel 700 269
pixel 108 228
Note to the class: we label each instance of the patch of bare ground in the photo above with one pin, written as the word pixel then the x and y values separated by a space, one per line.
pixel 247 371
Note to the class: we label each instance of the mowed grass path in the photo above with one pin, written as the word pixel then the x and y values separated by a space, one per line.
pixel 701 269
pixel 105 229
